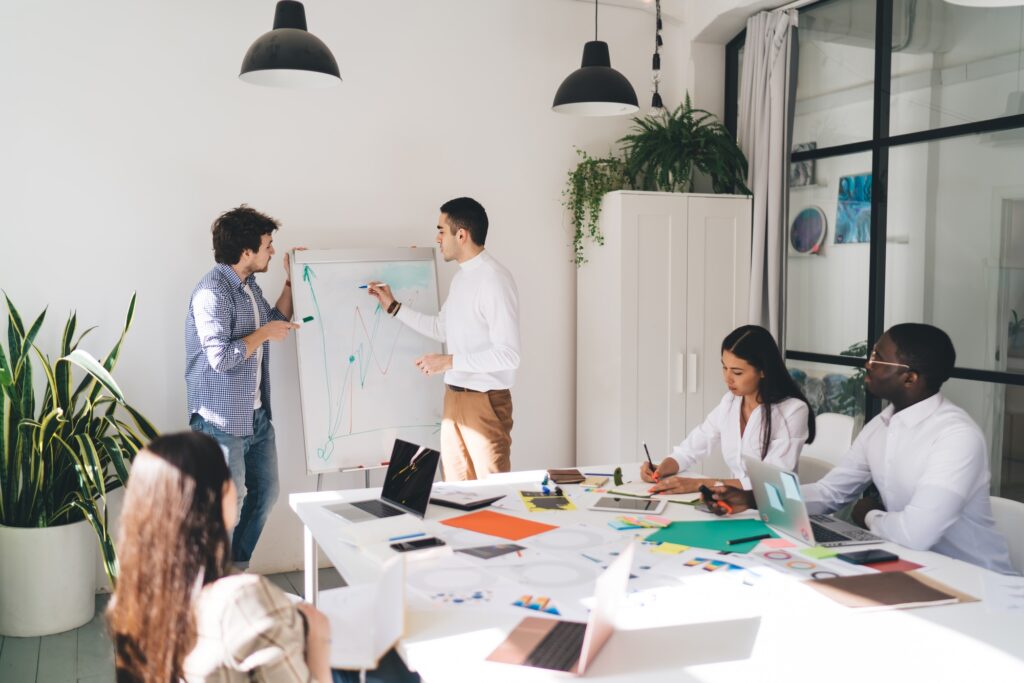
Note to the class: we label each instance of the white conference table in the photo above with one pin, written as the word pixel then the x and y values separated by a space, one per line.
pixel 706 630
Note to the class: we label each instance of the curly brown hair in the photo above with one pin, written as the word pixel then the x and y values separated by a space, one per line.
pixel 173 541
pixel 239 229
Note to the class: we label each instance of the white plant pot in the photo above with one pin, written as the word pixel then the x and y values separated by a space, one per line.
pixel 47 579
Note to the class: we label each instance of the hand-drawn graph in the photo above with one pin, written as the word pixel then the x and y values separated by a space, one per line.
pixel 358 383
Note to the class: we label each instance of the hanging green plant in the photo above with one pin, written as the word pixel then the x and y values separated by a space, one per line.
pixel 663 153
pixel 589 182
pixel 664 150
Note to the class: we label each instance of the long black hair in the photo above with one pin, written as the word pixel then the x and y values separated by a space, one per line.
pixel 755 345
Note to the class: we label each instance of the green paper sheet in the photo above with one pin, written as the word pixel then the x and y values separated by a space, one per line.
pixel 713 534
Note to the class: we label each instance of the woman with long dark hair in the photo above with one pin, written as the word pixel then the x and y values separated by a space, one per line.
pixel 178 613
pixel 763 414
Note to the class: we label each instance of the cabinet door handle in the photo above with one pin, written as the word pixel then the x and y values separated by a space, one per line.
pixel 680 371
pixel 691 373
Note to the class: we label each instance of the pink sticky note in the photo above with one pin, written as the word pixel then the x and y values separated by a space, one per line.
pixel 657 519
pixel 776 543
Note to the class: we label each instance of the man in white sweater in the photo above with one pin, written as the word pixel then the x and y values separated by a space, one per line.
pixel 480 324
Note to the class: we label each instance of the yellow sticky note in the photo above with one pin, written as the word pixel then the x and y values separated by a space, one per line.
pixel 819 553
pixel 669 548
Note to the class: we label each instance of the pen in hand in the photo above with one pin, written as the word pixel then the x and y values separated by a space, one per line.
pixel 654 470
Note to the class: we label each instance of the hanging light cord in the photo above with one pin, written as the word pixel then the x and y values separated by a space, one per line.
pixel 656 103
pixel 595 19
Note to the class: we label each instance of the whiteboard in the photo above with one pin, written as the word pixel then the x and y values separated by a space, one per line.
pixel 358 384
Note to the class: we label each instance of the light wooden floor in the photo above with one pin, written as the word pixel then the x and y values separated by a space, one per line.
pixel 84 655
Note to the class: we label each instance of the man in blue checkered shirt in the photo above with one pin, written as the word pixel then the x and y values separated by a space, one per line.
pixel 227 364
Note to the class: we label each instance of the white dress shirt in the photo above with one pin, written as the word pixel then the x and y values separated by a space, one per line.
pixel 930 464
pixel 480 323
pixel 722 426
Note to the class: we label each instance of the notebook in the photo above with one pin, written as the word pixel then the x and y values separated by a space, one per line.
pixel 888 590
pixel 566 476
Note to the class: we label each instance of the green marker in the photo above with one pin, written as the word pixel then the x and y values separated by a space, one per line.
pixel 308 319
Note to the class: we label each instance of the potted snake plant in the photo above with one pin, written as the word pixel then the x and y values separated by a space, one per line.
pixel 63 449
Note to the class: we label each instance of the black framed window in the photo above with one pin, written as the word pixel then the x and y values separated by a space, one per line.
pixel 908 132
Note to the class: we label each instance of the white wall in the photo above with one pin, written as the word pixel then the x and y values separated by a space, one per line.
pixel 125 131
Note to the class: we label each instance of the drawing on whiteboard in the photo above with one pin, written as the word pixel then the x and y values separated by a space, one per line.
pixel 360 388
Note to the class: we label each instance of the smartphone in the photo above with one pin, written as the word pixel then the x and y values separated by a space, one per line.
pixel 418 544
pixel 868 556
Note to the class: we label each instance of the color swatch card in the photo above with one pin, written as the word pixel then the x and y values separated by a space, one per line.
pixel 498 524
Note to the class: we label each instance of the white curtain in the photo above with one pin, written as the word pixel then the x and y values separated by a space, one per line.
pixel 764 131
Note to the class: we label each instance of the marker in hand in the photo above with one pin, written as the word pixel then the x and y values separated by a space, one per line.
pixel 654 470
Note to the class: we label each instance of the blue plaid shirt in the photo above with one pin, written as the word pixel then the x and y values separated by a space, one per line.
pixel 220 380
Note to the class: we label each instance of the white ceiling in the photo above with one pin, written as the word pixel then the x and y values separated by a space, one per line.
pixel 671 10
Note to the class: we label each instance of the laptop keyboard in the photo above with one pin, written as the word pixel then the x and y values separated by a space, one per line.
pixel 560 649
pixel 823 534
pixel 377 508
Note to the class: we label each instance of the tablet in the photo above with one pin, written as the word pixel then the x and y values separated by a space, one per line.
pixel 650 506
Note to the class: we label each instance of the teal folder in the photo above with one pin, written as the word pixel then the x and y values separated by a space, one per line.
pixel 713 534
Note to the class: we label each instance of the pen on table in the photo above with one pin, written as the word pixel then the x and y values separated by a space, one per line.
pixel 405 536
pixel 597 474
pixel 748 539
pixel 654 470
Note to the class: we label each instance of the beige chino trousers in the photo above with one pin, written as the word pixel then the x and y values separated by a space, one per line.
pixel 476 433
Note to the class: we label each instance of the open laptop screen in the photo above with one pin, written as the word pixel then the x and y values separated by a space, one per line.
pixel 410 477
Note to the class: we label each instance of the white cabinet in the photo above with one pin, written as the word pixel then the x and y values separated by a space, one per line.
pixel 653 305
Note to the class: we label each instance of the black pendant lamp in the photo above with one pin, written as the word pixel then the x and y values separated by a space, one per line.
pixel 290 56
pixel 595 89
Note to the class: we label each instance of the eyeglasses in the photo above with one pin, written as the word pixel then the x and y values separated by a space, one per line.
pixel 873 360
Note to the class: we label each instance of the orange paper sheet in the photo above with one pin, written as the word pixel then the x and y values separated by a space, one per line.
pixel 496 524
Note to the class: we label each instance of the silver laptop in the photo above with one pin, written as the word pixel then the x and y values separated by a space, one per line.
pixel 406 486
pixel 777 492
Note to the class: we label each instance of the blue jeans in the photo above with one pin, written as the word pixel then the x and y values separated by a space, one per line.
pixel 253 464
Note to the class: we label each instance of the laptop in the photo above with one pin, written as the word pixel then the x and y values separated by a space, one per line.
pixel 570 646
pixel 407 486
pixel 782 507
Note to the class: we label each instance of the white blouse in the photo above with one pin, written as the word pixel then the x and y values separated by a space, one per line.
pixel 722 427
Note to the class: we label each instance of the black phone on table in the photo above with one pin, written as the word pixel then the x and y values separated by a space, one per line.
pixel 868 556
pixel 418 544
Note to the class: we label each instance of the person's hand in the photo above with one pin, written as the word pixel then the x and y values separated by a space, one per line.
pixel 318 642
pixel 861 509
pixel 736 498
pixel 382 293
pixel 277 330
pixel 433 363
pixel 676 485
pixel 288 264
pixel 666 467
